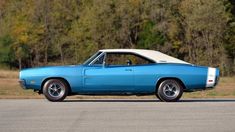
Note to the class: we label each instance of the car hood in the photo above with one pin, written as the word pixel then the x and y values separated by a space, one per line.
pixel 51 67
pixel 50 70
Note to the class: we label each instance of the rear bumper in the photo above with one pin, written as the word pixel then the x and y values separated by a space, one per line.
pixel 22 84
pixel 215 83
pixel 216 80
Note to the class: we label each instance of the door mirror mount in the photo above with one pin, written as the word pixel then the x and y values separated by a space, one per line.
pixel 103 65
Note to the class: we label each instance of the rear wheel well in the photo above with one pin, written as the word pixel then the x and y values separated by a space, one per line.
pixel 60 78
pixel 173 78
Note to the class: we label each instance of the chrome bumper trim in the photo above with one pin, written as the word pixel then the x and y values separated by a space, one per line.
pixel 22 84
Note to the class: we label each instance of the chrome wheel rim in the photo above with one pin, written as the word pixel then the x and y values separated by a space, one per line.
pixel 171 90
pixel 56 89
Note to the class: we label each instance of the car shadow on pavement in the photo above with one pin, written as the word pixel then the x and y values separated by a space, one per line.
pixel 207 100
pixel 148 100
pixel 111 100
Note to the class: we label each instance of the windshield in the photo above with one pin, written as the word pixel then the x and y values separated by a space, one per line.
pixel 88 61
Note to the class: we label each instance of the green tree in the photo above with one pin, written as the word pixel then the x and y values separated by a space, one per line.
pixel 46 32
pixel 204 28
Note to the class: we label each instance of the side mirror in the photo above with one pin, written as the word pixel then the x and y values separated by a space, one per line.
pixel 103 65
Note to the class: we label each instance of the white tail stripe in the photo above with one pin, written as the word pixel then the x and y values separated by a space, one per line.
pixel 210 77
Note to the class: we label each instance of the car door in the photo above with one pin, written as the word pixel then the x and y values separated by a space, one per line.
pixel 102 76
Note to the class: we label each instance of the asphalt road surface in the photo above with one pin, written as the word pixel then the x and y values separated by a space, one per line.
pixel 37 115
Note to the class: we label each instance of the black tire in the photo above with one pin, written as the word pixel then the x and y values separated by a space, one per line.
pixel 158 97
pixel 169 90
pixel 55 90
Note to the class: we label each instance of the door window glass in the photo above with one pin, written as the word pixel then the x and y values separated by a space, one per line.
pixel 125 59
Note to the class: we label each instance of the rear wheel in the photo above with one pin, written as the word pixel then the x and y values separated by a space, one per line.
pixel 169 90
pixel 55 90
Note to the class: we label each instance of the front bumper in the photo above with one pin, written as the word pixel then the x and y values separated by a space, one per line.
pixel 22 84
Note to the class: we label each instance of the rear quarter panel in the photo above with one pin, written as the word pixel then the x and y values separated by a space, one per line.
pixel 146 77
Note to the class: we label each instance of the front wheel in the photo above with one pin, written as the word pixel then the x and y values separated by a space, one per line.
pixel 169 90
pixel 55 90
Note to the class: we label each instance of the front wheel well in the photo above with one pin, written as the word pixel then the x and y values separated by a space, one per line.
pixel 60 78
pixel 165 78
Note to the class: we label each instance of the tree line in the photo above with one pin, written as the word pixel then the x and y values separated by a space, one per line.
pixel 52 32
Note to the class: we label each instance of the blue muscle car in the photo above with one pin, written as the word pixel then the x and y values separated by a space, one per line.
pixel 121 71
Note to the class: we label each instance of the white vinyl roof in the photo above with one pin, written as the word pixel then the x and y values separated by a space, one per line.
pixel 156 56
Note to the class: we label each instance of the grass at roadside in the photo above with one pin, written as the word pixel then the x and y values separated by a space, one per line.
pixel 7 74
pixel 9 88
pixel 225 89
